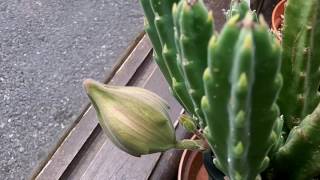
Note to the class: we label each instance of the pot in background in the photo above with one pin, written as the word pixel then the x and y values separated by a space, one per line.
pixel 191 166
pixel 276 19
pixel 195 165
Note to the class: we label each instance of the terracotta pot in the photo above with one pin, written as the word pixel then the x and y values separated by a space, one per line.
pixel 191 166
pixel 195 165
pixel 276 19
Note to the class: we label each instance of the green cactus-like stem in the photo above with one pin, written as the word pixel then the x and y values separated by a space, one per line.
pixel 277 137
pixel 300 66
pixel 159 27
pixel 299 158
pixel 239 109
pixel 150 29
pixel 215 102
pixel 193 29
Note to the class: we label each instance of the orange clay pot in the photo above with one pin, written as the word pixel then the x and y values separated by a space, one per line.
pixel 191 166
pixel 276 19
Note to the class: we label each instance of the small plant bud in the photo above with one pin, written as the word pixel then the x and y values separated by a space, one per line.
pixel 187 122
pixel 134 119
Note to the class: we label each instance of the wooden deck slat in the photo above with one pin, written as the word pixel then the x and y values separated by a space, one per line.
pixel 168 164
pixel 79 135
pixel 85 156
pixel 133 62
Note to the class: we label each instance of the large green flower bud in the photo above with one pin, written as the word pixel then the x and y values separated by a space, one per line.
pixel 134 119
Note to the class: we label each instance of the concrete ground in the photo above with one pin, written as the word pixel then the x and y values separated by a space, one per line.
pixel 47 48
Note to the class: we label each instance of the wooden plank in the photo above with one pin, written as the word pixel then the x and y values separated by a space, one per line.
pixel 133 62
pixel 143 73
pixel 111 163
pixel 81 132
pixel 85 156
pixel 168 164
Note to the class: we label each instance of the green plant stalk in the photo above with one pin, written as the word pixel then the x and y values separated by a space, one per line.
pixel 159 27
pixel 299 158
pixel 176 13
pixel 300 61
pixel 150 29
pixel 215 101
pixel 239 109
pixel 193 29
pixel 191 145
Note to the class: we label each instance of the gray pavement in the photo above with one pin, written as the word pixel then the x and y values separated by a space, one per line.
pixel 47 47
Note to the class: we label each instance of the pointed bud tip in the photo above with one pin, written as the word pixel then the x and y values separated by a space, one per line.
pixel 238 149
pixel 248 42
pixel 91 87
pixel 175 9
pixel 88 84
pixel 213 42
pixel 210 17
pixel 206 75
pixel 243 82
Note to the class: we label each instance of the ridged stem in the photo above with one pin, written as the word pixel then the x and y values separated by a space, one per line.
pixel 242 117
pixel 159 26
pixel 193 29
pixel 300 64
pixel 299 158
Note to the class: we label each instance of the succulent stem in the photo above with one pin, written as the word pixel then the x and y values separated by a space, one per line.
pixel 299 158
pixel 159 27
pixel 240 112
pixel 193 29
pixel 300 64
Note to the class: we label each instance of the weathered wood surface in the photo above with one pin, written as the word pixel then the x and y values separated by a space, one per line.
pixel 168 164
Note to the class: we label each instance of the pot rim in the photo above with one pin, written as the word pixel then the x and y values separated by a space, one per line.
pixel 182 159
pixel 274 13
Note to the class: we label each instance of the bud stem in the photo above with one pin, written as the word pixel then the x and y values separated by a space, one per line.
pixel 191 145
